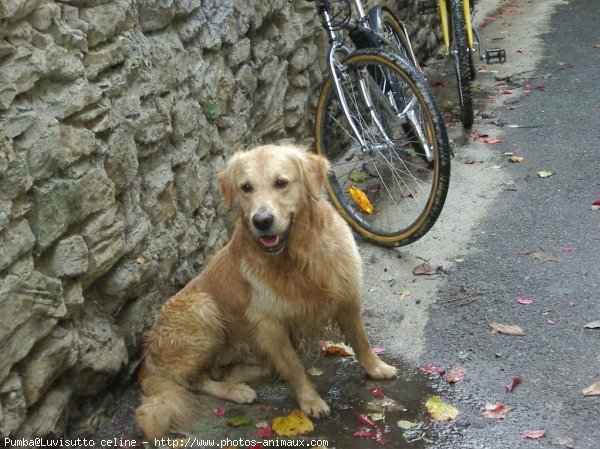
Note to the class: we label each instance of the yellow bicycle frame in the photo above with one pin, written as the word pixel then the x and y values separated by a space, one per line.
pixel 443 9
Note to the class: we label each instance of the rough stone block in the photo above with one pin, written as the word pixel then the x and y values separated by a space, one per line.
pixel 15 179
pixel 16 123
pixel 107 20
pixel 31 305
pixel 50 358
pixel 13 407
pixel 49 417
pixel 69 257
pixel 72 296
pixel 104 235
pixel 121 162
pixel 105 57
pixel 14 242
pixel 60 203
pixel 102 354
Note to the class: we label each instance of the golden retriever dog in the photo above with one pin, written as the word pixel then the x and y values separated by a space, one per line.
pixel 291 267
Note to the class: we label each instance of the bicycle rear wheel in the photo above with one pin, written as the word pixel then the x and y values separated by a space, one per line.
pixel 463 62
pixel 390 194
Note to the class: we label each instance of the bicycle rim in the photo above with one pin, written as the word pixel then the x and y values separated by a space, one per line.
pixel 395 32
pixel 387 191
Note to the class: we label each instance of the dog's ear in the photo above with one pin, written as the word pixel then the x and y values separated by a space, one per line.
pixel 315 169
pixel 226 186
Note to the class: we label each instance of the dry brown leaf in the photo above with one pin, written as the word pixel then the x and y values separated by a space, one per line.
pixel 507 329
pixel 515 159
pixel 424 269
pixel 544 256
pixel 592 390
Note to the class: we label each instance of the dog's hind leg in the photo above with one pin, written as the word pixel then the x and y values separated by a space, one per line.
pixel 231 391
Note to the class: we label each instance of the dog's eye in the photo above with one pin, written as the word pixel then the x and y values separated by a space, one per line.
pixel 247 188
pixel 281 183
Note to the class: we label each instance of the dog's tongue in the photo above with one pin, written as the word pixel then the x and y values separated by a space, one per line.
pixel 269 241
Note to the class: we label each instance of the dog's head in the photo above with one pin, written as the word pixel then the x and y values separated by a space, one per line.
pixel 269 186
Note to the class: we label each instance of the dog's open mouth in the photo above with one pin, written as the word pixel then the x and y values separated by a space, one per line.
pixel 274 243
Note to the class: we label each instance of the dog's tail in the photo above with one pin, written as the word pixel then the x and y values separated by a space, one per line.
pixel 166 405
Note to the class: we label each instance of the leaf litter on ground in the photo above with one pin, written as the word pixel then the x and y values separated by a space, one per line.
pixel 592 390
pixel 509 387
pixel 495 411
pixel 296 423
pixel 439 410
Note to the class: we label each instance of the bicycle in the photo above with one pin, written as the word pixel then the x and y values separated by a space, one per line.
pixel 459 35
pixel 378 124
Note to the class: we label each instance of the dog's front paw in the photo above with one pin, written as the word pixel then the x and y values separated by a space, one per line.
pixel 314 407
pixel 242 394
pixel 382 370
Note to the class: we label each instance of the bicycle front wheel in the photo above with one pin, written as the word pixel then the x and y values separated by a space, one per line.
pixel 463 62
pixel 390 193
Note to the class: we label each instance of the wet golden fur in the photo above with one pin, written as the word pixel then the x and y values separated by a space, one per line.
pixel 240 318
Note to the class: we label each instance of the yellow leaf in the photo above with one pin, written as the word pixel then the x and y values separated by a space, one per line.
pixel 314 371
pixel 296 423
pixel 361 199
pixel 515 159
pixel 544 174
pixel 440 411
pixel 592 390
pixel 507 329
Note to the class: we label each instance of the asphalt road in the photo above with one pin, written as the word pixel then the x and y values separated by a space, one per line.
pixel 540 241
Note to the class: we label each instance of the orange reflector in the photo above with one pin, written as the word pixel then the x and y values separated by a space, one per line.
pixel 361 199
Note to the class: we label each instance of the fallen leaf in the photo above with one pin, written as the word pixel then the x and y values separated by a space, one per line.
pixel 515 159
pixel 507 329
pixel 406 425
pixel 296 423
pixel 424 269
pixel 315 371
pixel 341 349
pixel 358 175
pixel 436 84
pixel 379 437
pixel 378 350
pixel 361 199
pixel 550 322
pixel 592 390
pixel 533 434
pixel 219 411
pixel 497 411
pixel 509 387
pixel 238 422
pixel 567 250
pixel 377 391
pixel 455 374
pixel 544 174
pixel 364 420
pixel 431 369
pixel 140 261
pixel 440 411
pixel 404 294
pixel 593 325
pixel 363 433
pixel 524 301
pixel 264 431
pixel 485 139
pixel 544 256
pixel 595 205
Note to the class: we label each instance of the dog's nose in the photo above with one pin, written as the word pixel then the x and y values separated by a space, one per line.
pixel 262 220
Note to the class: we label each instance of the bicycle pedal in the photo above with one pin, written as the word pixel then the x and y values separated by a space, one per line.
pixel 427 7
pixel 495 53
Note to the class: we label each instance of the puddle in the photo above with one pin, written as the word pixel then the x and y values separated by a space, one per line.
pixel 348 392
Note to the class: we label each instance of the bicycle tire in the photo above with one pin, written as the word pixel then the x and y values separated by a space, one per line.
pixel 406 192
pixel 463 61
pixel 385 22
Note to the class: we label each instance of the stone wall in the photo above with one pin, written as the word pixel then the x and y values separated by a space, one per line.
pixel 114 117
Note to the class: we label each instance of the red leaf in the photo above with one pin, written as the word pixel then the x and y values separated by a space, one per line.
pixel 378 350
pixel 363 433
pixel 455 374
pixel 264 432
pixel 485 139
pixel 551 322
pixel 506 92
pixel 377 391
pixel 437 84
pixel 430 369
pixel 219 411
pixel 512 384
pixel 596 203
pixel 364 420
pixel 567 250
pixel 572 304
pixel 533 434
pixel 524 301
